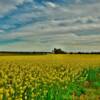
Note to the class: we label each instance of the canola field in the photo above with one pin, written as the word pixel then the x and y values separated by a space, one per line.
pixel 50 77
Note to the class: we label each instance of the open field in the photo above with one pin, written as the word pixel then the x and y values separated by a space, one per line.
pixel 50 77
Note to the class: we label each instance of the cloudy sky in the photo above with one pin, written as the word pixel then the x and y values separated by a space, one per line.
pixel 41 25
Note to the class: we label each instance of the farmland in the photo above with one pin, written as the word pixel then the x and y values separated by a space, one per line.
pixel 50 77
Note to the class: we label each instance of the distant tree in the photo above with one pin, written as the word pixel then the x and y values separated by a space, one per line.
pixel 58 51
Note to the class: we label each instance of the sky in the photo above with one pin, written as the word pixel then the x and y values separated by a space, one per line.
pixel 41 25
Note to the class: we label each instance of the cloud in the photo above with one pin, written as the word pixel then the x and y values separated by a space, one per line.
pixel 34 25
pixel 9 5
pixel 1 31
pixel 78 1
pixel 6 5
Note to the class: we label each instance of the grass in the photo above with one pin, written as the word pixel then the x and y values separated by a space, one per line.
pixel 88 89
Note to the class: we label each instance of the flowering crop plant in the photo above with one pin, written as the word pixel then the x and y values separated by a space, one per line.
pixel 49 77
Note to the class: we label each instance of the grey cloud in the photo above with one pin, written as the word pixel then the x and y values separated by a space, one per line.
pixel 8 5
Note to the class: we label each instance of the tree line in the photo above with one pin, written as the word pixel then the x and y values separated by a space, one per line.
pixel 54 51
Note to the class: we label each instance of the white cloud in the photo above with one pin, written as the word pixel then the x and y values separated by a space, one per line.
pixel 50 4
pixel 8 5
pixel 59 29
pixel 1 31
pixel 78 1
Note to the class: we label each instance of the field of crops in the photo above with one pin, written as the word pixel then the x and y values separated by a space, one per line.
pixel 50 77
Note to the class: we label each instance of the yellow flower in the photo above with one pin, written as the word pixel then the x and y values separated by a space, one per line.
pixel 1 90
pixel 1 96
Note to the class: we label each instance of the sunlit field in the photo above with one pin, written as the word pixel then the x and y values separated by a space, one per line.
pixel 50 77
